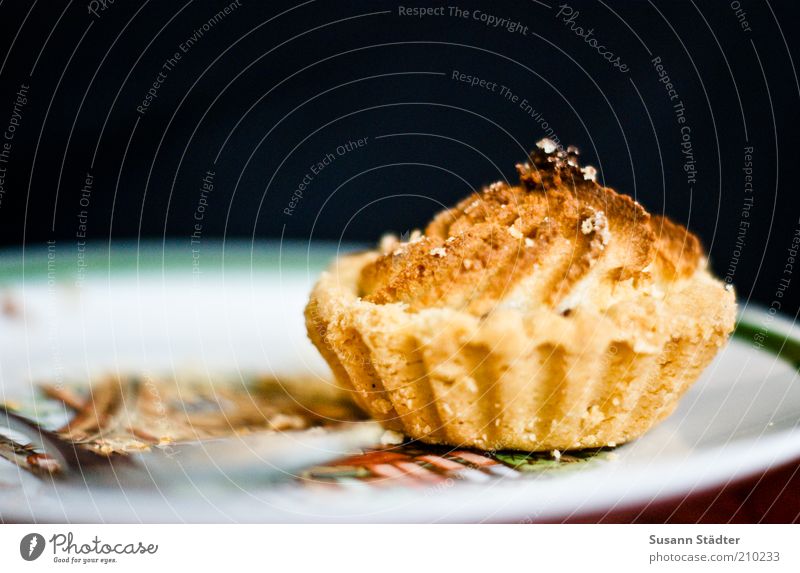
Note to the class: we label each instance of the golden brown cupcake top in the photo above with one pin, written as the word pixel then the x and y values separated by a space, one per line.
pixel 558 239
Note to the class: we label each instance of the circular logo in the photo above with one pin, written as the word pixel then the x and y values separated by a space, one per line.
pixel 31 546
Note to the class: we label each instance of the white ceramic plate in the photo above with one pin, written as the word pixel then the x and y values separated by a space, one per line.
pixel 238 308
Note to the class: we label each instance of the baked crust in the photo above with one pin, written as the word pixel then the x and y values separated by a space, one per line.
pixel 554 314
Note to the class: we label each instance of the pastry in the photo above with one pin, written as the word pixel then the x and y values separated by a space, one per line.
pixel 549 315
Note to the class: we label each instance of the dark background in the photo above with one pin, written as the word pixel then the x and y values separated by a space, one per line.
pixel 275 86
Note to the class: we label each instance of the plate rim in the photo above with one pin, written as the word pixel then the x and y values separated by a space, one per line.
pixel 773 449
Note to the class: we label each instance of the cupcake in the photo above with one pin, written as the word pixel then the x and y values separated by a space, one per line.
pixel 554 314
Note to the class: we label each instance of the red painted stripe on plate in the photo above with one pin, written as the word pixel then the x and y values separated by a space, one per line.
pixel 441 462
pixel 474 458
pixel 420 472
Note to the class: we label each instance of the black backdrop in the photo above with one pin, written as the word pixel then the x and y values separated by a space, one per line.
pixel 265 90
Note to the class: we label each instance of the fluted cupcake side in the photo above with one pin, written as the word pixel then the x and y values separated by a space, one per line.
pixel 531 382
